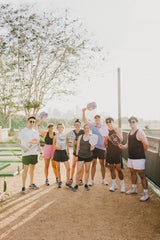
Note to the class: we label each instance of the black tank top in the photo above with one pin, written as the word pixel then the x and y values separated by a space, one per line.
pixel 48 140
pixel 111 147
pixel 84 150
pixel 77 135
pixel 135 147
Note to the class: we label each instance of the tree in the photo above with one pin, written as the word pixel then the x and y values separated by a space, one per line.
pixel 43 55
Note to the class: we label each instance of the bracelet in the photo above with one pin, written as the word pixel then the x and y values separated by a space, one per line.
pixel 41 153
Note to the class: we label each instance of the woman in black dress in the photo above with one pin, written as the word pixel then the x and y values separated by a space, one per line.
pixel 114 156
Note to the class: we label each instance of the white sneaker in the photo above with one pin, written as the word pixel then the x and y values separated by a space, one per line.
pixel 144 198
pixel 132 191
pixel 105 182
pixel 113 188
pixel 123 189
pixel 91 183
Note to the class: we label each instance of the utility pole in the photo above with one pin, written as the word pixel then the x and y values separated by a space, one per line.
pixel 119 98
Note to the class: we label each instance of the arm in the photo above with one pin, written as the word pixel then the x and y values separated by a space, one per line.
pixel 119 133
pixel 78 145
pixel 54 144
pixel 36 126
pixel 142 137
pixel 123 146
pixel 84 116
pixel 20 145
pixel 67 146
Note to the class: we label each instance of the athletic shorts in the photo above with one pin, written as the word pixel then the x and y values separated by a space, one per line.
pixel 99 153
pixel 31 159
pixel 48 151
pixel 60 156
pixel 137 164
pixel 85 159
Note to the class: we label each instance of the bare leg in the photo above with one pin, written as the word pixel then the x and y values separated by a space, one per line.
pixel 82 172
pixel 133 176
pixel 101 161
pixel 67 165
pixel 93 168
pixel 87 168
pixel 73 166
pixel 31 172
pixel 24 175
pixel 58 171
pixel 143 179
pixel 54 166
pixel 79 170
pixel 112 171
pixel 46 167
pixel 119 170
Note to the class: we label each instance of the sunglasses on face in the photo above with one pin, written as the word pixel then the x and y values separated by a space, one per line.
pixel 108 121
pixel 50 127
pixel 32 121
pixel 132 121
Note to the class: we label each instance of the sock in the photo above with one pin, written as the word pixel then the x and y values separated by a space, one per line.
pixel 122 181
pixel 46 179
pixel 114 181
pixel 134 185
pixel 145 190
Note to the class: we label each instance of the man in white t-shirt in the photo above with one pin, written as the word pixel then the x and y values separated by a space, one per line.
pixel 28 141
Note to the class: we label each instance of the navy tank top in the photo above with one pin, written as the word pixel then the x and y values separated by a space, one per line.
pixel 135 147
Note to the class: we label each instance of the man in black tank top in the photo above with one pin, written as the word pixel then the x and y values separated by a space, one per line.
pixel 137 144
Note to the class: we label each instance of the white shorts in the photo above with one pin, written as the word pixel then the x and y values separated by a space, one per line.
pixel 137 164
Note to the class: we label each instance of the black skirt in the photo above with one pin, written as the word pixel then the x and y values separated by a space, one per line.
pixel 60 156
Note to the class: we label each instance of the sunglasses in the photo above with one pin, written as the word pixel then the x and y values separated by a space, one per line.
pixel 32 121
pixel 50 126
pixel 132 121
pixel 108 121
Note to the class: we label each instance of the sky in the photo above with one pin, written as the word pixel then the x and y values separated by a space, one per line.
pixel 128 31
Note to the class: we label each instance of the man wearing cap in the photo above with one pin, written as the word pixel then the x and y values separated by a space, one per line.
pixel 137 144
pixel 99 151
pixel 28 141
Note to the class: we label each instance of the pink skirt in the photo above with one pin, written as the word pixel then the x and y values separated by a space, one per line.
pixel 48 151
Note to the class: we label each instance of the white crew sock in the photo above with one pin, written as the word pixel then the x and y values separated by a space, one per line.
pixel 134 185
pixel 122 182
pixel 145 190
pixel 114 181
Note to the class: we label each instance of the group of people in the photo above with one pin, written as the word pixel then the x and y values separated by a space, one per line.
pixel 85 154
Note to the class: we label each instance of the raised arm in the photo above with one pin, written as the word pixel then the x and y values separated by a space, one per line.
pixel 84 116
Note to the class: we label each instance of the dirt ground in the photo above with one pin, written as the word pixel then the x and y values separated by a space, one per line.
pixel 60 214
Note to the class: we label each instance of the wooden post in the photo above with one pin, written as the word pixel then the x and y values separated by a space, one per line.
pixel 119 99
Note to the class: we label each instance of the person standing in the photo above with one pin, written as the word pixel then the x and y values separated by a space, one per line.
pixel 114 155
pixel 77 131
pixel 60 144
pixel 99 151
pixel 28 141
pixel 137 144
pixel 48 151
pixel 84 156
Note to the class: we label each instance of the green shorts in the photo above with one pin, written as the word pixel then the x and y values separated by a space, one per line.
pixel 31 159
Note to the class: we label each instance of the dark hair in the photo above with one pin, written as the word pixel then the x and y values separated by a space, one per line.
pixel 31 118
pixel 97 116
pixel 110 119
pixel 77 121
pixel 133 118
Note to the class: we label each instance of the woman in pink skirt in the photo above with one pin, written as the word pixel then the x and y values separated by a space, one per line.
pixel 48 151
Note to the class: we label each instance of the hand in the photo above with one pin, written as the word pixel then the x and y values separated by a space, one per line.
pixel 26 150
pixel 121 146
pixel 92 148
pixel 75 142
pixel 84 109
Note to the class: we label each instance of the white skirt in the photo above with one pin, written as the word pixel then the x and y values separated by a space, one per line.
pixel 137 164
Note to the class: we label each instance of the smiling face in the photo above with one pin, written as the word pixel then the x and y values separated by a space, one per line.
pixel 97 120
pixel 30 123
pixel 77 126
pixel 50 128
pixel 60 128
pixel 133 123
pixel 110 123
pixel 86 129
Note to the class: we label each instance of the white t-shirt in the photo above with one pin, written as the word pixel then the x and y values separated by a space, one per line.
pixel 29 139
pixel 61 141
